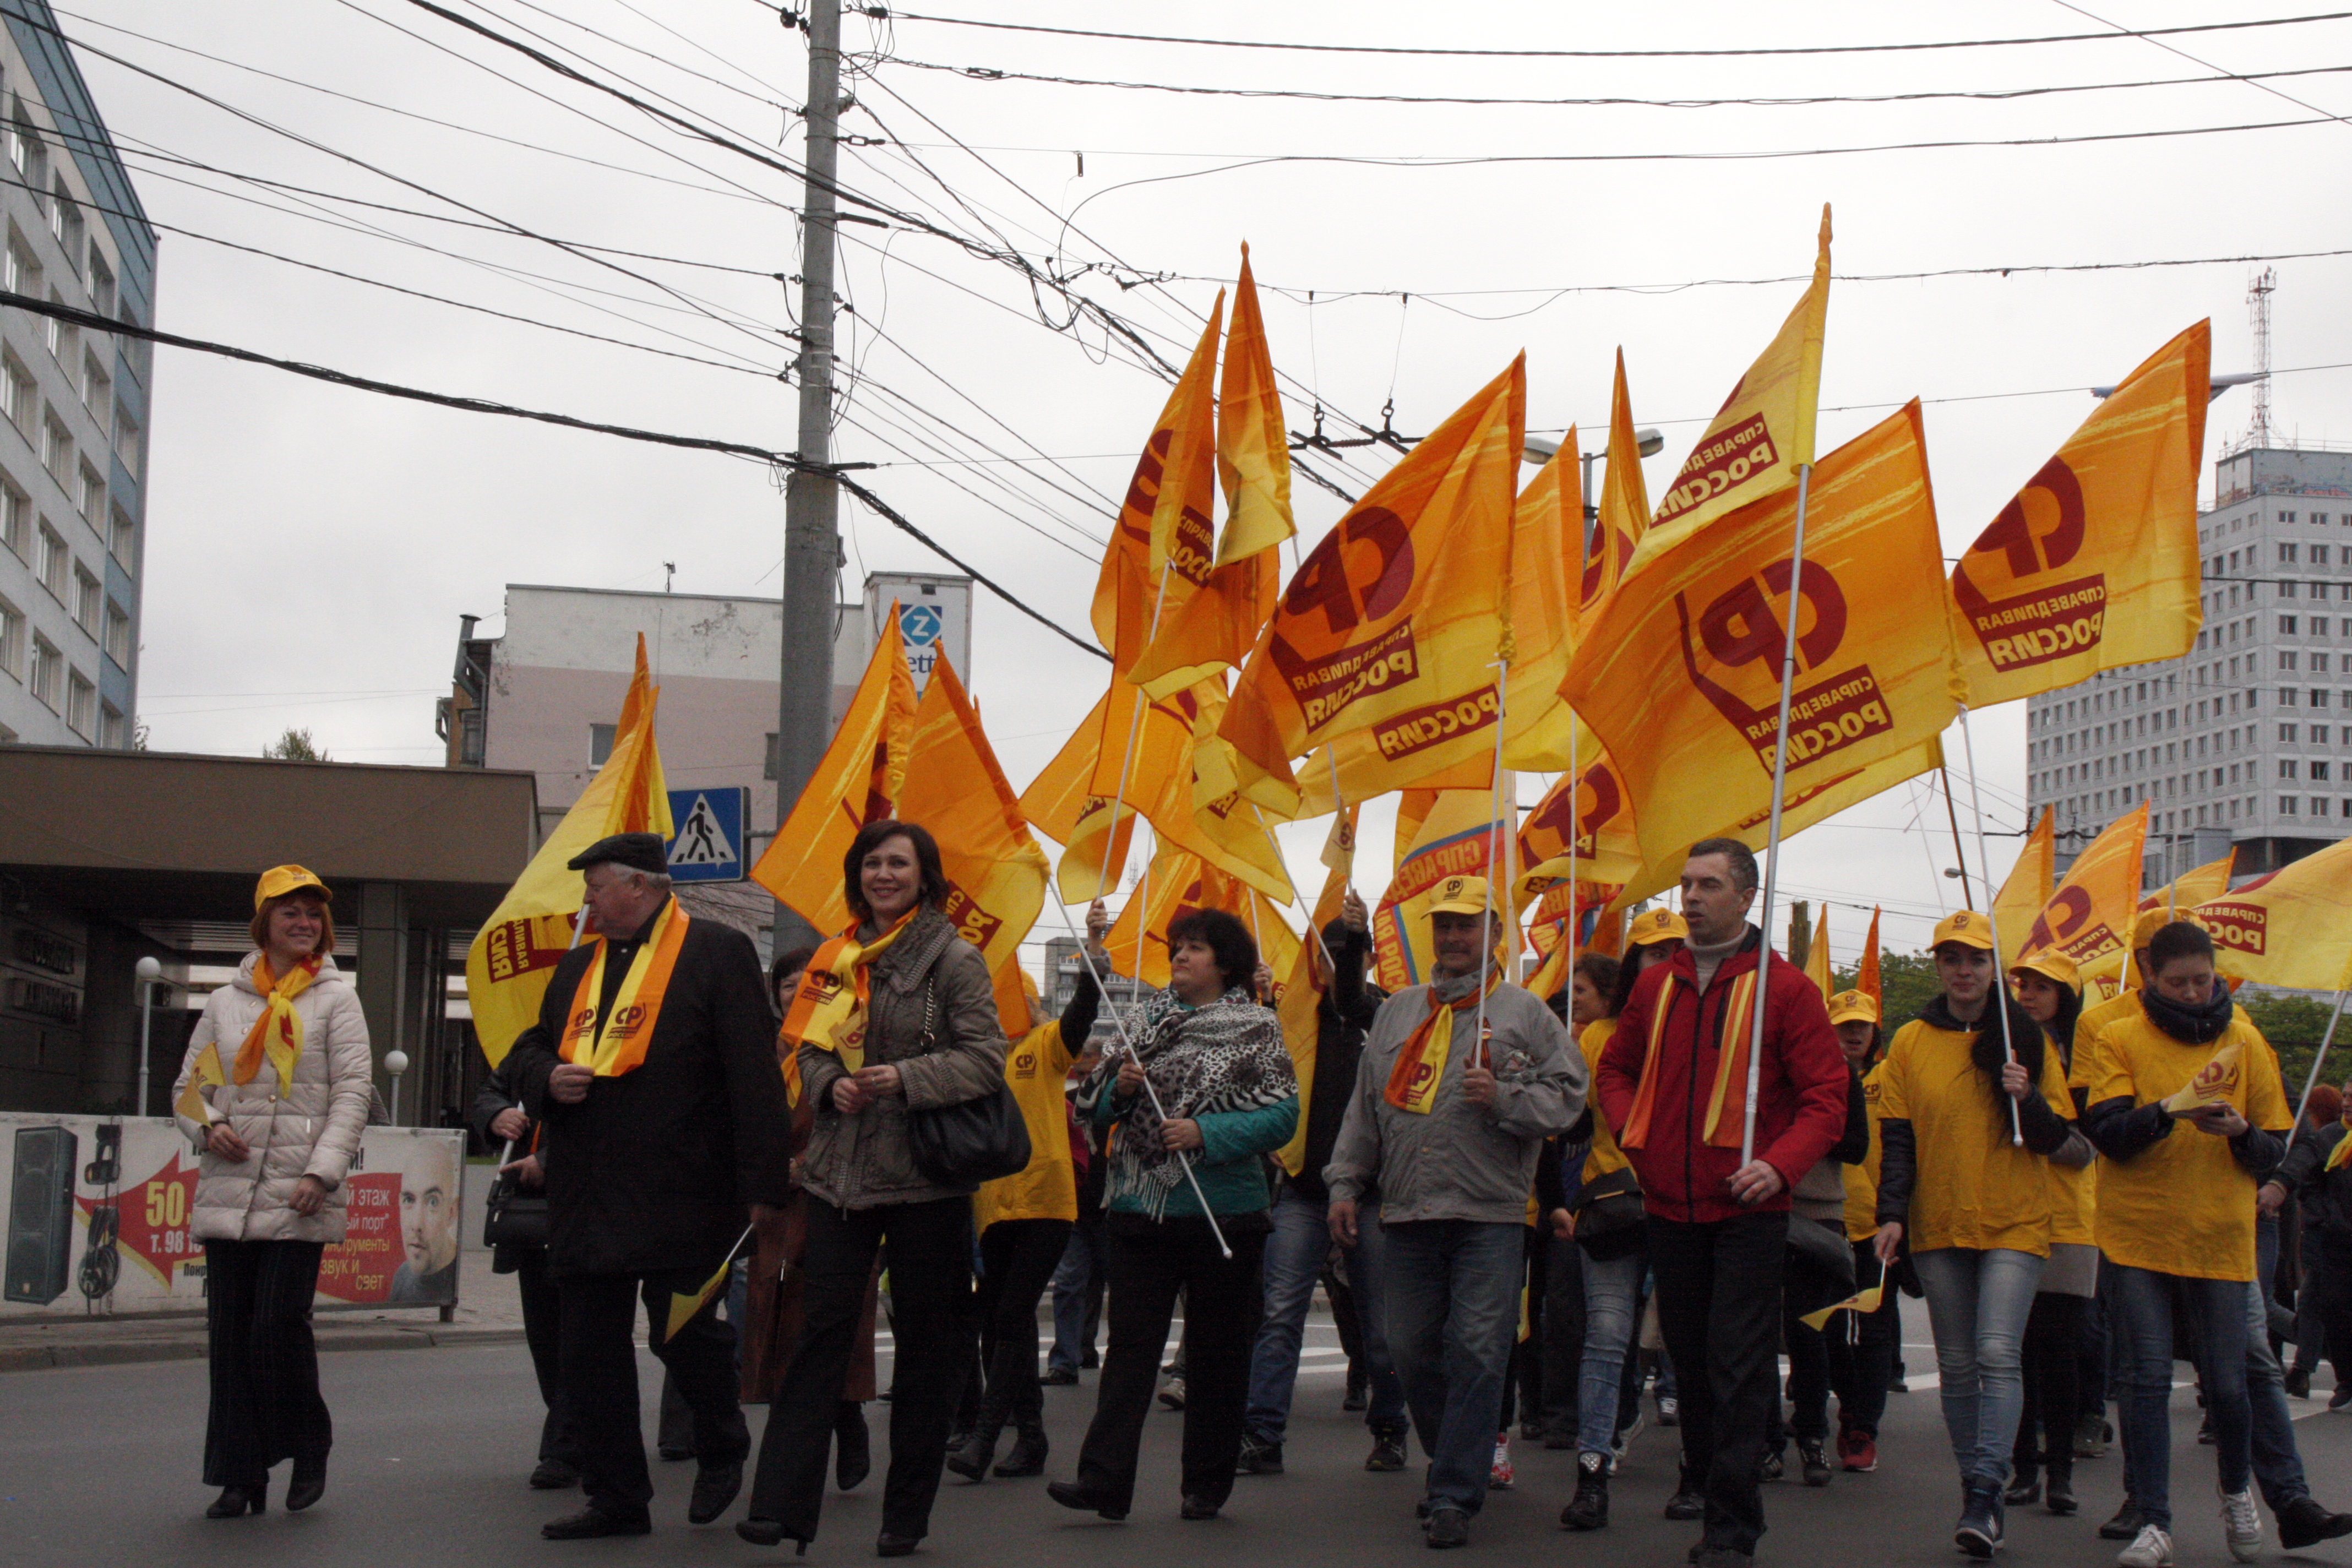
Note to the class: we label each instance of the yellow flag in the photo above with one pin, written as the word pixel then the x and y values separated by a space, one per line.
pixel 1596 811
pixel 1863 1302
pixel 1621 519
pixel 2215 1083
pixel 1395 622
pixel 1453 832
pixel 2090 916
pixel 205 1074
pixel 1300 1003
pixel 1060 803
pixel 2291 928
pixel 996 873
pixel 2026 891
pixel 1680 674
pixel 1817 957
pixel 1178 883
pixel 2193 887
pixel 1547 522
pixel 1163 534
pixel 1764 433
pixel 855 782
pixel 508 966
pixel 682 1307
pixel 1184 784
pixel 2094 564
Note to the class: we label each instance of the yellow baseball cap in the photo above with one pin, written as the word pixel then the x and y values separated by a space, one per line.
pixel 1969 927
pixel 1848 1006
pixel 2051 964
pixel 1655 925
pixel 280 880
pixel 2151 921
pixel 1459 896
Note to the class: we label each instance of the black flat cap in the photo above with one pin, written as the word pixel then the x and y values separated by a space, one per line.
pixel 637 851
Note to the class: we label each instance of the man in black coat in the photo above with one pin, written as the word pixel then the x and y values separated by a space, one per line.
pixel 653 1066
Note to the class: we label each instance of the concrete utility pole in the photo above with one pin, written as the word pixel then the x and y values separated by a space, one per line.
pixel 811 500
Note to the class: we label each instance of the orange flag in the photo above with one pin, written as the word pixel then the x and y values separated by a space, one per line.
pixel 1764 432
pixel 2026 891
pixel 1163 537
pixel 995 871
pixel 1597 812
pixel 1817 957
pixel 1680 674
pixel 1183 784
pixel 1179 882
pixel 1865 974
pixel 2090 916
pixel 1621 516
pixel 1215 626
pixel 1060 803
pixel 1442 835
pixel 857 781
pixel 2291 928
pixel 1300 1003
pixel 1396 619
pixel 1546 524
pixel 2094 564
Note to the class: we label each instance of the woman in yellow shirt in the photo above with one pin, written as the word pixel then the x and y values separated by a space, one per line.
pixel 2048 989
pixel 2186 1105
pixel 1971 1103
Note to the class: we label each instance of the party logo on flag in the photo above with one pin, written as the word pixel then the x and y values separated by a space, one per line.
pixel 1418 729
pixel 1326 687
pixel 1739 629
pixel 2038 533
pixel 2070 923
pixel 1597 800
pixel 1723 464
pixel 2239 927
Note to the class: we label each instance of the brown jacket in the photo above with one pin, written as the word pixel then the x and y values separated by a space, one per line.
pixel 863 1160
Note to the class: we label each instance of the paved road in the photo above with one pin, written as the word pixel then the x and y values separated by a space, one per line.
pixel 98 1466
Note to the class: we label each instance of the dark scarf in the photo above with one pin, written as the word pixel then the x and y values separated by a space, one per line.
pixel 1224 1055
pixel 2025 1036
pixel 2190 1026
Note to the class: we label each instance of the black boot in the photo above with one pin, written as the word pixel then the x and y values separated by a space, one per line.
pixel 1028 1455
pixel 2024 1486
pixel 1979 1532
pixel 2058 1488
pixel 1589 1509
pixel 972 1458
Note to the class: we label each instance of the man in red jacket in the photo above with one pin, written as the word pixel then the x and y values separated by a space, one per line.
pixel 1673 1084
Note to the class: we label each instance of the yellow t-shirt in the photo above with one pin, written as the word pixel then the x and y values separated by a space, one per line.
pixel 1047 1187
pixel 2184 1204
pixel 2073 1189
pixel 1605 1156
pixel 2124 1004
pixel 1975 1187
pixel 1861 1181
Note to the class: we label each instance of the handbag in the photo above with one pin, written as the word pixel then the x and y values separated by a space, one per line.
pixel 514 1215
pixel 1610 1221
pixel 972 1141
pixel 1823 1248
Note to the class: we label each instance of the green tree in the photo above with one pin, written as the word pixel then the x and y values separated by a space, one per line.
pixel 2294 1025
pixel 1906 981
pixel 295 746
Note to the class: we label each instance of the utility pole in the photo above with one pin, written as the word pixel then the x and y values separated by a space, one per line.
pixel 812 498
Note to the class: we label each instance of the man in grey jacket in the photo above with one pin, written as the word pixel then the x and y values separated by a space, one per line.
pixel 1455 1093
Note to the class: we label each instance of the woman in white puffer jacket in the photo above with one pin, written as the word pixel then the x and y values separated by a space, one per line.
pixel 280 1062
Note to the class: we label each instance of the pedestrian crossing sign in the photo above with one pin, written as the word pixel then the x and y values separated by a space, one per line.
pixel 709 843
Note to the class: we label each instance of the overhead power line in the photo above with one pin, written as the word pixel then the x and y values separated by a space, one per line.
pixel 93 321
pixel 883 13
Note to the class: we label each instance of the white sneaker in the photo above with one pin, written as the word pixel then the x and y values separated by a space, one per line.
pixel 2151 1548
pixel 2240 1525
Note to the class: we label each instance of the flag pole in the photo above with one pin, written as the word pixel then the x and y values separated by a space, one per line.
pixel 1119 1024
pixel 1772 831
pixel 2312 1081
pixel 1127 767
pixel 1494 819
pixel 1999 999
pixel 1951 813
pixel 1330 966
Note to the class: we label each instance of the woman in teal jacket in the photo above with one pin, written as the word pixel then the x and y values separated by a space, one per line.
pixel 1222 1097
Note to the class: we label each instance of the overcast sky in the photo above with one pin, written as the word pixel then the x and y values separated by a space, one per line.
pixel 311 548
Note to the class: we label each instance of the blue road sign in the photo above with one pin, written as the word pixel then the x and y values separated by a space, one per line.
pixel 709 843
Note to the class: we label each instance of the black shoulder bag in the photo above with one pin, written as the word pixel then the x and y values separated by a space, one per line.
pixel 972 1141
pixel 514 1214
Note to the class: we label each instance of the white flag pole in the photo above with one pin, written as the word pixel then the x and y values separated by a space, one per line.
pixel 1772 832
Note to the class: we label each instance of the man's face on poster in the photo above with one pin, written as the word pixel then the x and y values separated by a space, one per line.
pixel 428 1211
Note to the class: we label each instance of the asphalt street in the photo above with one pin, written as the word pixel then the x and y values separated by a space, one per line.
pixel 99 1466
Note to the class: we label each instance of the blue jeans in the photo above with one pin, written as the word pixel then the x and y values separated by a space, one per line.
pixel 1077 1280
pixel 1612 1306
pixel 2216 1314
pixel 1978 1301
pixel 2278 1464
pixel 1293 1257
pixel 1452 1290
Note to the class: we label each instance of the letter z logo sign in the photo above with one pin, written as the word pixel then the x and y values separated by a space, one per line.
pixel 1732 654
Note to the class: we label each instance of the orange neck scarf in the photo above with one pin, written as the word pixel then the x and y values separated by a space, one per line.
pixel 277 1033
pixel 1421 1060
pixel 828 1010
pixel 1726 1098
pixel 616 1045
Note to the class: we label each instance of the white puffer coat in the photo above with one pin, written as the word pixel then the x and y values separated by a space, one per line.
pixel 310 1129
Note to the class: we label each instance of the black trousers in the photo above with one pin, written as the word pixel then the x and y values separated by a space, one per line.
pixel 542 1311
pixel 1561 1338
pixel 1805 1289
pixel 265 1405
pixel 2053 1392
pixel 1719 1312
pixel 600 1379
pixel 1017 1259
pixel 1862 1349
pixel 1224 1299
pixel 931 1320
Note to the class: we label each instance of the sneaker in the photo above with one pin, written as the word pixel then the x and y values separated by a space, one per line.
pixel 2091 1437
pixel 2241 1526
pixel 1258 1457
pixel 1059 1377
pixel 1503 1473
pixel 1387 1455
pixel 1815 1463
pixel 1979 1532
pixel 1857 1450
pixel 1172 1393
pixel 1589 1509
pixel 1670 1410
pixel 1447 1526
pixel 1772 1468
pixel 2151 1548
pixel 2340 1398
pixel 2124 1526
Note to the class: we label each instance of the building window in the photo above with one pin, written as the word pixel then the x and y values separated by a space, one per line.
pixel 12 639
pixel 47 681
pixel 2319 734
pixel 2319 696
pixel 117 635
pixel 52 565
pixel 97 387
pixel 18 399
pixel 2286 659
pixel 2319 552
pixel 22 273
pixel 126 440
pixel 2319 773
pixel 2286 552
pixel 64 342
pixel 2286 696
pixel 2286 517
pixel 90 495
pixel 600 745
pixel 770 771
pixel 2319 664
pixel 64 220
pixel 112 733
pixel 122 539
pixel 88 597
pixel 2286 733
pixel 15 520
pixel 2286 767
pixel 81 705
pixel 102 282
pixel 57 449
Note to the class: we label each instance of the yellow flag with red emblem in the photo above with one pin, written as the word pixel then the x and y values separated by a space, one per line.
pixel 1680 673
pixel 1443 836
pixel 2291 928
pixel 1300 1002
pixel 2089 917
pixel 1595 811
pixel 1184 786
pixel 2094 564
pixel 1162 547
pixel 1621 516
pixel 1764 432
pixel 1395 621
pixel 2025 892
pixel 1060 803
pixel 856 782
pixel 1178 882
pixel 996 874
pixel 1817 955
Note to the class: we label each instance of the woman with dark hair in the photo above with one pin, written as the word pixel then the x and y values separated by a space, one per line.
pixel 2048 989
pixel 895 1015
pixel 1862 1344
pixel 1201 1090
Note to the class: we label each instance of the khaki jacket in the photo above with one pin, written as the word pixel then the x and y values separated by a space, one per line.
pixel 308 1128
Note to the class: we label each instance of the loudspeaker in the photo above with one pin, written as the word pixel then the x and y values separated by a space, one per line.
pixel 40 1215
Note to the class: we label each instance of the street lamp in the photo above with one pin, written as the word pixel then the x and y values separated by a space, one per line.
pixel 149 972
pixel 1537 450
pixel 396 1062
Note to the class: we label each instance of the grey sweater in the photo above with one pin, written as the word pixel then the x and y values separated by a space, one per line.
pixel 1460 1161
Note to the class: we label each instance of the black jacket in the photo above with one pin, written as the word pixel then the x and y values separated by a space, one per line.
pixel 1340 1021
pixel 653 1169
pixel 2325 1195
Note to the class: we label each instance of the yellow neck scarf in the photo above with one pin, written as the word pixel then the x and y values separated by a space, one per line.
pixel 616 1045
pixel 828 1009
pixel 1421 1060
pixel 277 1033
